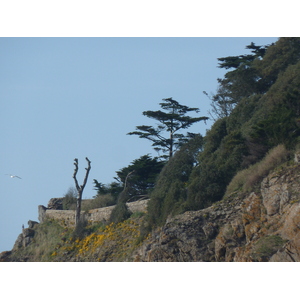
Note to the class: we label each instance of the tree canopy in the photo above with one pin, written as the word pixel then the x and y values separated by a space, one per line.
pixel 243 80
pixel 174 119
pixel 143 172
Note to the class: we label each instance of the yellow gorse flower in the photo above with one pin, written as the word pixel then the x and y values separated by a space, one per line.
pixel 122 235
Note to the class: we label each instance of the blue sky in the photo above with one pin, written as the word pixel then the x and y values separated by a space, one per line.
pixel 66 98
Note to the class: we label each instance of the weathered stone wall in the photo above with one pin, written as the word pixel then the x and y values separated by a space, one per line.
pixel 67 217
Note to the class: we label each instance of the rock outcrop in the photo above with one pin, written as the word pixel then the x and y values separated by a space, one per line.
pixel 261 226
pixel 25 238
pixel 55 203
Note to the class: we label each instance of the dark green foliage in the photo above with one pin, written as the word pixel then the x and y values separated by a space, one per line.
pixel 170 193
pixel 278 128
pixel 243 81
pixel 216 169
pixel 174 119
pixel 142 180
pixel 277 121
pixel 214 136
pixel 101 188
pixel 285 52
pixel 114 189
pixel 243 112
pixel 241 60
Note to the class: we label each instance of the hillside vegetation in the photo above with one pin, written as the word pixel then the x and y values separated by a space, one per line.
pixel 257 108
pixel 257 126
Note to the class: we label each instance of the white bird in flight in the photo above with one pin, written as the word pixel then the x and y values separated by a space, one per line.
pixel 13 176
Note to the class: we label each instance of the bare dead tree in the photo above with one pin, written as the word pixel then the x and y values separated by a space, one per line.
pixel 80 188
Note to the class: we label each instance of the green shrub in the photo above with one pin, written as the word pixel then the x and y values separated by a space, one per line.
pixel 210 178
pixel 170 192
pixel 120 213
pixel 70 198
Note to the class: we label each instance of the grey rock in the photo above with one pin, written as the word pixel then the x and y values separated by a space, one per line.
pixel 42 213
pixel 31 224
pixel 55 203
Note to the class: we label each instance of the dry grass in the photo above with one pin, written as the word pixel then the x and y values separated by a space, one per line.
pixel 47 237
pixel 248 178
pixel 98 202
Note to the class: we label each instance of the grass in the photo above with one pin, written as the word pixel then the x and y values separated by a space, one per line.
pixel 47 236
pixel 98 202
pixel 99 242
pixel 246 179
pixel 266 246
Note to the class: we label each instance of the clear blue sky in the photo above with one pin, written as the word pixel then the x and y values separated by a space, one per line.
pixel 66 98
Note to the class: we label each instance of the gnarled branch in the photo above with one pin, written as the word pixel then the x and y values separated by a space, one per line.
pixel 75 173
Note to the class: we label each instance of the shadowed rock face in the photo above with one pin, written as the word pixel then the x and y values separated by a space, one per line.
pixel 261 226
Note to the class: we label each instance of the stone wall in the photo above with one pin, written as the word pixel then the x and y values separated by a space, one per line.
pixel 67 217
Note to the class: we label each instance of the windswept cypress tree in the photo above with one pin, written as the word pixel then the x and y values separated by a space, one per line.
pixel 174 119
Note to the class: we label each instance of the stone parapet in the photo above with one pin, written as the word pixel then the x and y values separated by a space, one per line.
pixel 67 217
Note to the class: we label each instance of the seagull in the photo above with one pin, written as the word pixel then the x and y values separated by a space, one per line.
pixel 13 176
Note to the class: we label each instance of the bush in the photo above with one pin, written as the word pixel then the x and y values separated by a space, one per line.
pixel 70 198
pixel 248 178
pixel 210 178
pixel 170 192
pixel 120 213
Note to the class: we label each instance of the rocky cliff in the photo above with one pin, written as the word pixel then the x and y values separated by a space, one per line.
pixel 261 226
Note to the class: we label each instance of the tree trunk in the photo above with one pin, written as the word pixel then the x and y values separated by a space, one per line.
pixel 171 145
pixel 80 188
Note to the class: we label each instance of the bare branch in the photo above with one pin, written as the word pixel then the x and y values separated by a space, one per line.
pixel 87 173
pixel 75 173
pixel 125 184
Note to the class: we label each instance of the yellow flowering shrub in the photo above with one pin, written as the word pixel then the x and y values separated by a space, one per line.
pixel 121 237
pixel 113 242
